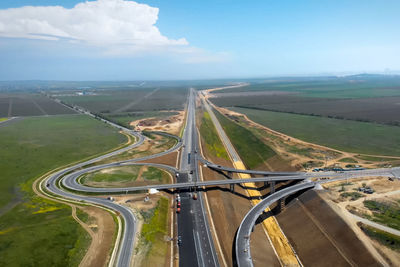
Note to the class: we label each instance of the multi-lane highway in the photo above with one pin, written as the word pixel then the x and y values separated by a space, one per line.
pixel 197 247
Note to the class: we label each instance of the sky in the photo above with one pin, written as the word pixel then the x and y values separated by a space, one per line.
pixel 209 39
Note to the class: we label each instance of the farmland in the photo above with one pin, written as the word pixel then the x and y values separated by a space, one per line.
pixel 41 230
pixel 29 104
pixel 361 98
pixel 352 136
pixel 125 101
pixel 383 110
pixel 356 86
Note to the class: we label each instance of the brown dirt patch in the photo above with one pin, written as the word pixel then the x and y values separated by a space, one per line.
pixel 170 124
pixel 103 228
pixel 169 159
pixel 313 226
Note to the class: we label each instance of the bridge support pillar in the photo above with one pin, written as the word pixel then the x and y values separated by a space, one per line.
pixel 281 204
pixel 272 187
pixel 232 187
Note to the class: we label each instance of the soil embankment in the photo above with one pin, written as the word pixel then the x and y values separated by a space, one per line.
pixel 319 236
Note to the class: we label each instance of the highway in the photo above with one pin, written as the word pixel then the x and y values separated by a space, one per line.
pixel 242 241
pixel 197 248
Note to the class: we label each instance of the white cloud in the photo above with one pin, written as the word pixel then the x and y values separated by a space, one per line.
pixel 105 23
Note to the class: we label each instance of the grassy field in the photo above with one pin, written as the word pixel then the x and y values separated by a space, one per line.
pixel 211 138
pixel 252 150
pixel 125 174
pixel 44 231
pixel 154 229
pixel 118 174
pixel 358 137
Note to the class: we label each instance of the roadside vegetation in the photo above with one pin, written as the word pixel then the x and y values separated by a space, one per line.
pixel 36 231
pixel 351 136
pixel 152 242
pixel 387 213
pixel 384 238
pixel 252 150
pixel 211 138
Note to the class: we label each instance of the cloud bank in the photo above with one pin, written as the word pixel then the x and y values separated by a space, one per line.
pixel 101 23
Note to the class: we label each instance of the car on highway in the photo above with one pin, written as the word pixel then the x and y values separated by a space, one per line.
pixel 178 209
pixel 179 240
pixel 194 196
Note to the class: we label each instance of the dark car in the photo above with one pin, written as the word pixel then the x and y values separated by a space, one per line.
pixel 179 240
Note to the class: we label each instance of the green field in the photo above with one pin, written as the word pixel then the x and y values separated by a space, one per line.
pixel 117 101
pixel 118 174
pixel 3 119
pixel 357 86
pixel 211 138
pixel 125 174
pixel 251 149
pixel 152 237
pixel 35 231
pixel 352 136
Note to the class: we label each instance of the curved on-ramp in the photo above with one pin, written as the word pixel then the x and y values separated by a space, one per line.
pixel 125 248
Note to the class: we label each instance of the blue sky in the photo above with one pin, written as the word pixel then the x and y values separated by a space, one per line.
pixel 197 39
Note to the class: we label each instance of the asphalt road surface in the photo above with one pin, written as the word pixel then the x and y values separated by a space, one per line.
pixel 197 247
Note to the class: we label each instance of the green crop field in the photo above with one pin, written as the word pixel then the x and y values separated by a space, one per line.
pixel 357 86
pixel 118 101
pixel 35 231
pixel 352 136
pixel 211 138
pixel 30 104
pixel 252 150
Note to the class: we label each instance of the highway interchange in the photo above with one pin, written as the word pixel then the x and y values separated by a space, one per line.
pixel 197 247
